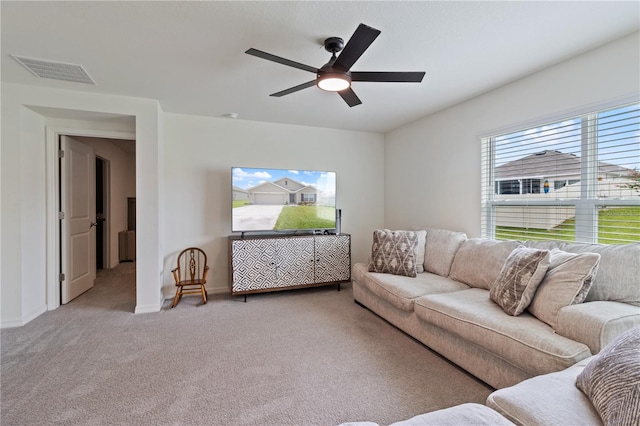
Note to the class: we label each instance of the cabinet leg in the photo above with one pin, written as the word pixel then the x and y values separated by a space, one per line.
pixel 338 286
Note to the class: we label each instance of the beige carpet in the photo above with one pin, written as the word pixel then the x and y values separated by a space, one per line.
pixel 306 357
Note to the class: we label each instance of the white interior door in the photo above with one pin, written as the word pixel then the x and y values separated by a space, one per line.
pixel 78 238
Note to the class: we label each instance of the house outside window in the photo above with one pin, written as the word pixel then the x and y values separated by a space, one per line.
pixel 577 179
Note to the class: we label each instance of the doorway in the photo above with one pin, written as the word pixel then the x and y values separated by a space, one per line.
pixel 112 185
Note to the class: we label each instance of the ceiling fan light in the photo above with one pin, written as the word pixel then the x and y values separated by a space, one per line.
pixel 334 82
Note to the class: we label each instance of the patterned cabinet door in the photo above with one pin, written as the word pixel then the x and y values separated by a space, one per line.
pixel 294 261
pixel 333 258
pixel 253 264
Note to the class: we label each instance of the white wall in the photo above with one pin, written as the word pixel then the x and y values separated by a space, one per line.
pixel 197 207
pixel 424 174
pixel 32 229
pixel 432 166
pixel 200 152
pixel 24 220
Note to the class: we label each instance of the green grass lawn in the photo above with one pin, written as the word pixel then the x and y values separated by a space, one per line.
pixel 615 226
pixel 240 203
pixel 306 217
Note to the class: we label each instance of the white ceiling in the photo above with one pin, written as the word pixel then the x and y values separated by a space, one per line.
pixel 190 55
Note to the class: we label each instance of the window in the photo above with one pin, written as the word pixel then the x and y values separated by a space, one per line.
pixel 511 186
pixel 308 198
pixel 530 186
pixel 558 184
pixel 577 180
pixel 518 186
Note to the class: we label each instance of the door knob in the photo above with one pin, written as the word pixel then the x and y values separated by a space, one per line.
pixel 93 224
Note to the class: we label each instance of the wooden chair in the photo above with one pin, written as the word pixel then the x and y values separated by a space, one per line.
pixel 191 274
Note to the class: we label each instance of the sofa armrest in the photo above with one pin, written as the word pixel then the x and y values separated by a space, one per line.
pixel 596 323
pixel 548 399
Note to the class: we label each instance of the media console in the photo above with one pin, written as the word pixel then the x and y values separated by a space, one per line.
pixel 272 263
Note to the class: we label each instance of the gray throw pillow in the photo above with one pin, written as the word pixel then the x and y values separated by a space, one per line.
pixel 394 252
pixel 566 282
pixel 519 279
pixel 611 380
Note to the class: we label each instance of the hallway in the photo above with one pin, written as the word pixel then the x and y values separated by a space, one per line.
pixel 114 289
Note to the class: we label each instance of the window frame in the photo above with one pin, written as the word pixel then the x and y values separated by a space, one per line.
pixel 586 206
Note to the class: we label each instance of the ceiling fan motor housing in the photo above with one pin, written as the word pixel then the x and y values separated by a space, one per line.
pixel 333 44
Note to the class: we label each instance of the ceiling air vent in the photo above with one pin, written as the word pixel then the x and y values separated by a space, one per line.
pixel 55 70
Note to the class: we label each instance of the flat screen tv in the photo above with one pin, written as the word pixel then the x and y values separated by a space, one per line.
pixel 280 200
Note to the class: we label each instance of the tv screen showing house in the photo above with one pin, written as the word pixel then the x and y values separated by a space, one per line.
pixel 282 200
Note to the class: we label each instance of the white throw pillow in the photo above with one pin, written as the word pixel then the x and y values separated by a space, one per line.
pixel 566 282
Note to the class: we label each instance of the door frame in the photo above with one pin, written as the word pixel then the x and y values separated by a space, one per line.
pixel 52 190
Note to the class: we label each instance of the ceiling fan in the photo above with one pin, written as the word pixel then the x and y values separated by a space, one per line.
pixel 336 75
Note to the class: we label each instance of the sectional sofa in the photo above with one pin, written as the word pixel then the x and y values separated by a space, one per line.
pixel 527 318
pixel 602 389
pixel 588 294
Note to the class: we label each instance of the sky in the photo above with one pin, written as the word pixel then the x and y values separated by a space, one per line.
pixel 619 127
pixel 246 177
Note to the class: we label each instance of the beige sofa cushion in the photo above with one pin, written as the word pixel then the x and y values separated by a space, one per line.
pixel 524 340
pixel 520 277
pixel 545 245
pixel 596 324
pixel 612 380
pixel 478 261
pixel 567 281
pixel 402 291
pixel 550 399
pixel 420 249
pixel 440 250
pixel 464 414
pixel 618 278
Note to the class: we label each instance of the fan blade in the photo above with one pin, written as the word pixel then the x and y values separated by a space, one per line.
pixel 388 77
pixel 350 97
pixel 357 44
pixel 278 59
pixel 294 89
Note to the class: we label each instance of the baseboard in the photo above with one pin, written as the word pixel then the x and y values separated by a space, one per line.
pixel 147 309
pixel 170 292
pixel 19 322
pixel 12 323
pixel 218 290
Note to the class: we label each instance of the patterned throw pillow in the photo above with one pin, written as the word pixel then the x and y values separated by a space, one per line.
pixel 519 279
pixel 394 252
pixel 567 282
pixel 611 380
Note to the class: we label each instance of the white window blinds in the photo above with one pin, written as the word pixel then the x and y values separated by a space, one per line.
pixel 577 180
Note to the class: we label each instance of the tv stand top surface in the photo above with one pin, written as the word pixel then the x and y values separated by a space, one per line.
pixel 258 235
